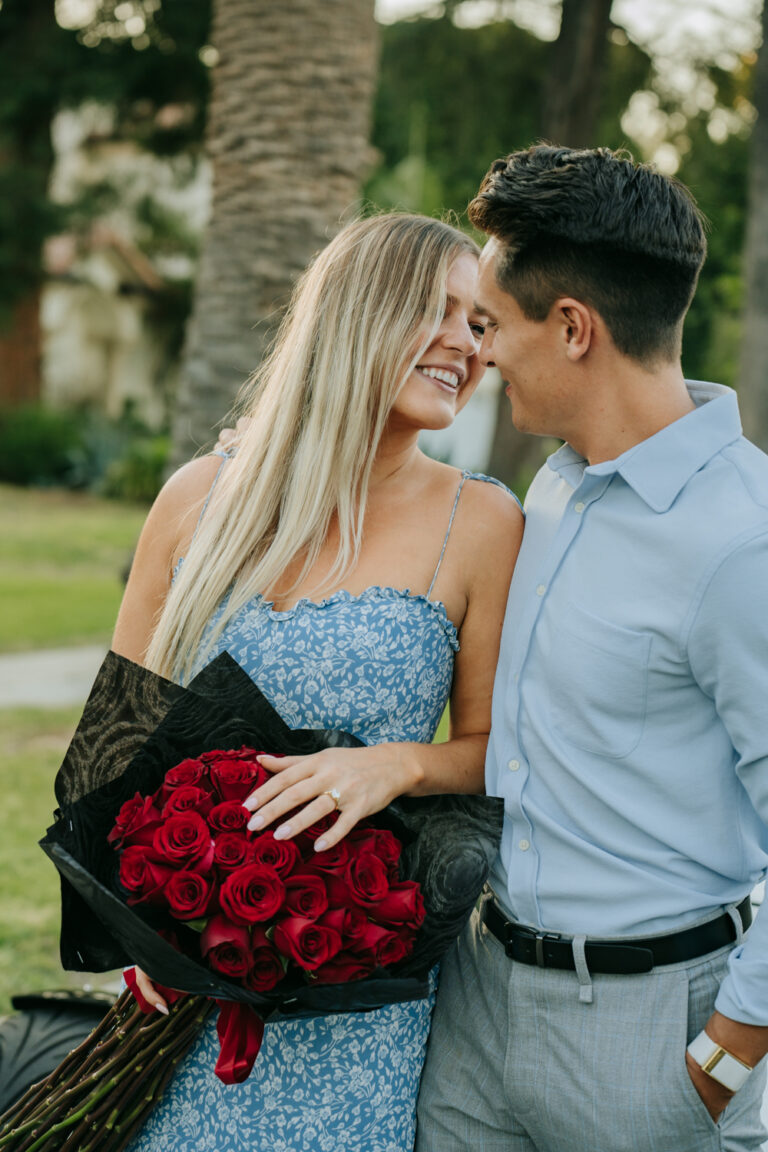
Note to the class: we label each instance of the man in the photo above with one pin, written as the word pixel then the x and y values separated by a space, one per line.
pixel 629 738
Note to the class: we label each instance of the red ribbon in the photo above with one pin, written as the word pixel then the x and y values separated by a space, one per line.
pixel 240 1031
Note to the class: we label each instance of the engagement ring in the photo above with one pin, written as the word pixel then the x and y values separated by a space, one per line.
pixel 335 795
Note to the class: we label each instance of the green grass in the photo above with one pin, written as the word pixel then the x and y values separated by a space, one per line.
pixel 62 561
pixel 33 743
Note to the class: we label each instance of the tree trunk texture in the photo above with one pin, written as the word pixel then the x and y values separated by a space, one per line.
pixel 288 142
pixel 753 376
pixel 20 354
pixel 26 159
pixel 569 115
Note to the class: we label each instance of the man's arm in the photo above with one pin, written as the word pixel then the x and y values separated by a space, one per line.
pixel 728 651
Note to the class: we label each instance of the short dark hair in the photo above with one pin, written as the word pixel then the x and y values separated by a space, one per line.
pixel 595 225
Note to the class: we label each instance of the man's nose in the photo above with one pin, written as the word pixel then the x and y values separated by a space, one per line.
pixel 486 359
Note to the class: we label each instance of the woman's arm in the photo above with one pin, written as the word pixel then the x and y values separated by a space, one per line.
pixel 484 543
pixel 164 537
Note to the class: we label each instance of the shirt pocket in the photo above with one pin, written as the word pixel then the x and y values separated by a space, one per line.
pixel 599 687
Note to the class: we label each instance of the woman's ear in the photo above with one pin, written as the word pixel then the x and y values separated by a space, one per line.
pixel 577 327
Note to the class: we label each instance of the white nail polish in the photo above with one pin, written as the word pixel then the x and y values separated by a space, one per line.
pixel 255 822
pixel 283 832
pixel 320 845
pixel 162 1008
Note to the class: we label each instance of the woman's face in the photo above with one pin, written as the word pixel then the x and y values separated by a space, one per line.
pixel 450 370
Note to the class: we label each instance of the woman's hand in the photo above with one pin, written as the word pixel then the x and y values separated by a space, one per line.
pixel 355 781
pixel 149 992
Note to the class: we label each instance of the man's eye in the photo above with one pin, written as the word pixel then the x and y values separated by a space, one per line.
pixel 478 329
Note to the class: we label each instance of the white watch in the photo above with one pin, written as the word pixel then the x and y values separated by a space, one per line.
pixel 717 1063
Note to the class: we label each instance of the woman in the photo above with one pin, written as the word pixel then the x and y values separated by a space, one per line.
pixel 359 583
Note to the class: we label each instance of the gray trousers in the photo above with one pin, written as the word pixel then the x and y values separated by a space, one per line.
pixel 516 1061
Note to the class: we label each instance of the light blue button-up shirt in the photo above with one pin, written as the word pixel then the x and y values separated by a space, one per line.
pixel 630 711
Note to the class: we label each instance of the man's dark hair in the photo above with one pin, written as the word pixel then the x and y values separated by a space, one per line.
pixel 595 225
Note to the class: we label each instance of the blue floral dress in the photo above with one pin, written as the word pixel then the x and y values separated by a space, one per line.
pixel 379 665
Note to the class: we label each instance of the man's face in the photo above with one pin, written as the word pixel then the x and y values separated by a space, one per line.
pixel 527 353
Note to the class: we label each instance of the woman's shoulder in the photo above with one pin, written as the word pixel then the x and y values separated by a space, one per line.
pixel 493 492
pixel 183 497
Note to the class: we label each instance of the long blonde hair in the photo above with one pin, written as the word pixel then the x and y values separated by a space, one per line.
pixel 359 319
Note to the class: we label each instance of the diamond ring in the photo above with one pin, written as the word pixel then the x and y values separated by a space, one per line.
pixel 335 795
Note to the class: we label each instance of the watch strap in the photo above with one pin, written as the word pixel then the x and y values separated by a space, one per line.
pixel 722 1066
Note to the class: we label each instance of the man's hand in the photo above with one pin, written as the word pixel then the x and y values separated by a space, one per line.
pixel 229 437
pixel 714 1095
pixel 746 1042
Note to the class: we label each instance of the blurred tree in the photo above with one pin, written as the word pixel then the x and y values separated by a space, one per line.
pixel 753 381
pixel 574 78
pixel 288 142
pixel 138 56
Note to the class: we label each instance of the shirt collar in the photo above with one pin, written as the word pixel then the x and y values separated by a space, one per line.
pixel 658 468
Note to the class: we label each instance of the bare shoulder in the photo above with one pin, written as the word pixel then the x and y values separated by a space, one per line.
pixel 177 508
pixel 492 501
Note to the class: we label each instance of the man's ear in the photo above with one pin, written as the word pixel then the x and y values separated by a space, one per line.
pixel 577 327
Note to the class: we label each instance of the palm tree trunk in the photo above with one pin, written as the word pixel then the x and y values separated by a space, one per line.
pixel 288 143
pixel 753 378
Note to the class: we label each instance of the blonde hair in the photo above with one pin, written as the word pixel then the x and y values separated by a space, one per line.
pixel 360 317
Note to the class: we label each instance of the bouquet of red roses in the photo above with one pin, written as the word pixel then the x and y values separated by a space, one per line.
pixel 264 911
pixel 337 931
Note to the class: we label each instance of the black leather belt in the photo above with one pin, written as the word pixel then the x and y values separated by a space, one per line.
pixel 551 950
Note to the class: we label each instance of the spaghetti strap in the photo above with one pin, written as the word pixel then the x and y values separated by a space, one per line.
pixel 464 476
pixel 224 457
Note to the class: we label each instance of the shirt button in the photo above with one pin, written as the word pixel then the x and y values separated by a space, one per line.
pixel 579 507
pixel 513 765
pixel 524 845
pixel 541 589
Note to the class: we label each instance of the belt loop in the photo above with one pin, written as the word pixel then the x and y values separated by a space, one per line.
pixel 733 912
pixel 582 971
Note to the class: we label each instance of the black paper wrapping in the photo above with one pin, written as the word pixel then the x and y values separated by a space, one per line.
pixel 136 726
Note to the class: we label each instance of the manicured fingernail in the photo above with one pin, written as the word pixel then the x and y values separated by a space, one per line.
pixel 283 832
pixel 255 822
pixel 320 845
pixel 162 1008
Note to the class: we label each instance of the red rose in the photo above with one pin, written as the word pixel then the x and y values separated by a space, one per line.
pixel 403 904
pixel 228 816
pixel 350 923
pixel 252 893
pixel 236 774
pixel 386 946
pixel 305 895
pixel 231 850
pixel 367 878
pixel 143 877
pixel 187 772
pixel 184 841
pixel 307 838
pixel 305 942
pixel 266 970
pixel 345 966
pixel 136 823
pixel 189 895
pixel 379 841
pixel 226 947
pixel 188 798
pixel 282 855
pixel 334 859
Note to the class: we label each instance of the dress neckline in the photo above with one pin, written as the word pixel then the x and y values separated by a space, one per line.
pixel 373 591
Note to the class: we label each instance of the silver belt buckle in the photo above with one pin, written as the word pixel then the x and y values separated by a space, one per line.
pixel 540 938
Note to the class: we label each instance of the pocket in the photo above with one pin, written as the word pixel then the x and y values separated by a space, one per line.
pixel 598 684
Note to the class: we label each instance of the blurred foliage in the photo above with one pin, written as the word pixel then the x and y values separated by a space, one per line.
pixel 44 67
pixel 451 99
pixel 81 449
